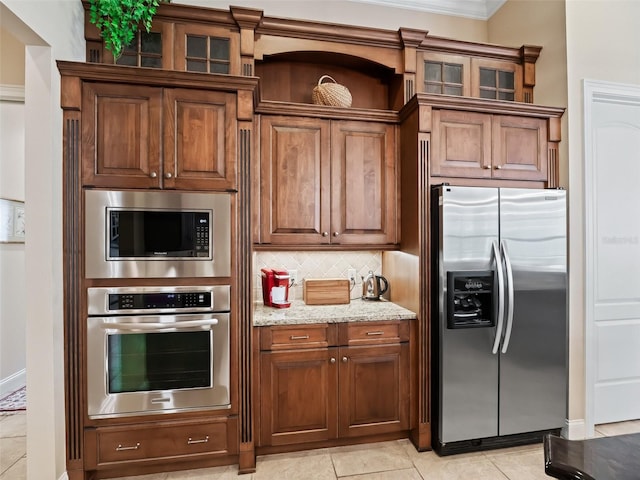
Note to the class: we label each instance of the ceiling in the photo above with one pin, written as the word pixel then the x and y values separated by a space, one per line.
pixel 477 9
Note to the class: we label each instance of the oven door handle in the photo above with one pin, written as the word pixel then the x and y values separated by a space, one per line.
pixel 159 326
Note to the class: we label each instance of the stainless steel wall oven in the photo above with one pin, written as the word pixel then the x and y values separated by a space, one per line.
pixel 157 349
pixel 135 234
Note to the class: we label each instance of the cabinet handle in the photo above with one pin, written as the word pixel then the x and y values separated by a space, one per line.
pixel 498 167
pixel 375 333
pixel 335 234
pixel 168 175
pixel 325 234
pixel 298 337
pixel 191 441
pixel 344 359
pixel 487 167
pixel 120 448
pixel 333 360
pixel 153 174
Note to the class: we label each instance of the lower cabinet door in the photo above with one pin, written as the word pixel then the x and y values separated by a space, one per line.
pixel 299 396
pixel 374 390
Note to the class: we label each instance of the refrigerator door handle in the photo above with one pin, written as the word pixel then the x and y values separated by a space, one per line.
pixel 498 259
pixel 510 293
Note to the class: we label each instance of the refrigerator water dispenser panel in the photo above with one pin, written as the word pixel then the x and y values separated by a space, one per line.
pixel 470 299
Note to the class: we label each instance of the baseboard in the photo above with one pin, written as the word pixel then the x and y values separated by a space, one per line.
pixel 13 382
pixel 574 429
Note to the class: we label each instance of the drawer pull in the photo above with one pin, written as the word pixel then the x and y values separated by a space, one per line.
pixel 120 448
pixel 299 337
pixel 344 359
pixel 378 332
pixel 333 360
pixel 191 441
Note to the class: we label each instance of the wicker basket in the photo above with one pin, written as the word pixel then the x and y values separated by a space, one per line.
pixel 332 94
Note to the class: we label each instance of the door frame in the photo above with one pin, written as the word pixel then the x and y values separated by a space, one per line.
pixel 594 91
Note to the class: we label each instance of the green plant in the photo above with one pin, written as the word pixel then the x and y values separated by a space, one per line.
pixel 119 20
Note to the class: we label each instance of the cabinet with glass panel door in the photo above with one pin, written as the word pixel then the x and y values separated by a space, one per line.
pixel 176 46
pixel 468 76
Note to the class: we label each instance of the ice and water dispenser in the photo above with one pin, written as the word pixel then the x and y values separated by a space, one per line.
pixel 470 299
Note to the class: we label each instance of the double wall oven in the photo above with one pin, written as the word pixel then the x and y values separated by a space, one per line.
pixel 157 346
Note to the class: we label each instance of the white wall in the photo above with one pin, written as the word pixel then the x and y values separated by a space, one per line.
pixel 50 29
pixel 603 41
pixel 357 13
pixel 12 258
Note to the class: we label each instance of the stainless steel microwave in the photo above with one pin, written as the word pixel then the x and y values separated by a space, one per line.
pixel 133 234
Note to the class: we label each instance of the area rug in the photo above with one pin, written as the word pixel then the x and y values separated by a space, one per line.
pixel 14 402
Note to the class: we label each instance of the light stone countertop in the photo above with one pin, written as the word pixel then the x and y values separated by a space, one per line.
pixel 357 311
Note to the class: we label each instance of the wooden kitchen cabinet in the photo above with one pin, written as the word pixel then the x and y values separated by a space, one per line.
pixel 148 443
pixel 327 182
pixel 298 396
pixel 355 386
pixel 461 69
pixel 374 390
pixel 149 137
pixel 478 145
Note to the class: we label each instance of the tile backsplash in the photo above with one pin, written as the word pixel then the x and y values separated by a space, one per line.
pixel 316 265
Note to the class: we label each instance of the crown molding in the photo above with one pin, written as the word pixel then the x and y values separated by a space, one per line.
pixel 11 93
pixel 476 9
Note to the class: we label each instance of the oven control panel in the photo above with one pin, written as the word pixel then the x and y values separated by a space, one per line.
pixel 159 300
pixel 147 300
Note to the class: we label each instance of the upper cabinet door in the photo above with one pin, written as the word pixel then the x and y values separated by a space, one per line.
pixel 207 49
pixel 121 135
pixel 363 186
pixel 199 139
pixel 496 80
pixel 295 181
pixel 519 148
pixel 461 144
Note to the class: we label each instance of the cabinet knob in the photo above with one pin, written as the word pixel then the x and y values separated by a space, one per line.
pixel 487 167
pixel 498 167
pixel 325 234
pixel 333 360
pixel 335 234
pixel 168 175
pixel 344 359
pixel 153 174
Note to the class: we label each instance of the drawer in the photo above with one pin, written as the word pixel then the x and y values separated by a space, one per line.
pixel 374 333
pixel 148 442
pixel 285 337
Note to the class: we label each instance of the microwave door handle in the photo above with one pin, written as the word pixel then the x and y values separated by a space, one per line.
pixel 159 326
pixel 498 260
pixel 510 294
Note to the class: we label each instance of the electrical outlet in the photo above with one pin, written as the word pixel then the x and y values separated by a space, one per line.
pixel 293 277
pixel 351 275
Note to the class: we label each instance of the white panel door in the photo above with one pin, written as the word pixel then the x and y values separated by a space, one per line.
pixel 612 141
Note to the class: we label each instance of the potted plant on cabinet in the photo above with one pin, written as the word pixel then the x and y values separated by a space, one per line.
pixel 119 20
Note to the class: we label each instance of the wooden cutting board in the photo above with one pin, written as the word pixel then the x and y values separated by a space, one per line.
pixel 326 291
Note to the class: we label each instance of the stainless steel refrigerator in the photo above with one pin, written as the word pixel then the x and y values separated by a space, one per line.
pixel 499 316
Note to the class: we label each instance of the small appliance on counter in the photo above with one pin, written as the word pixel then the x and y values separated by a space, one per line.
pixel 275 288
pixel 373 286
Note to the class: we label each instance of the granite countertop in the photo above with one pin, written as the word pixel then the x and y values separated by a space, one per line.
pixel 607 458
pixel 357 311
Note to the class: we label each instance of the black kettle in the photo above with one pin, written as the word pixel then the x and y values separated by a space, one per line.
pixel 373 286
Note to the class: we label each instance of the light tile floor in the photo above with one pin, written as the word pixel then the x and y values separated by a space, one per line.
pixel 396 460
